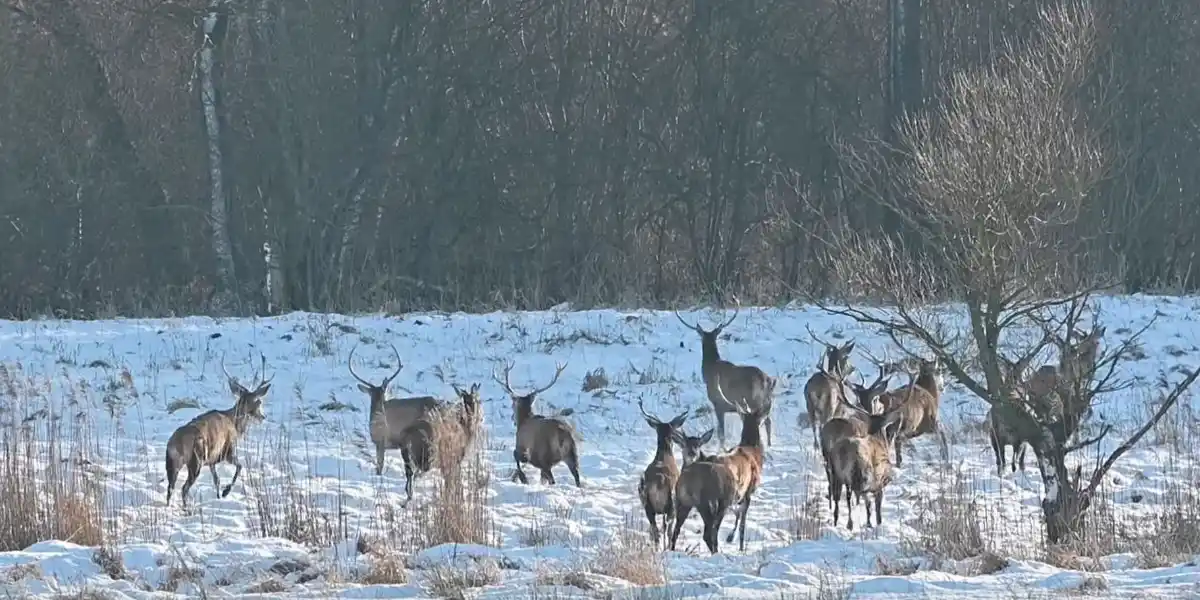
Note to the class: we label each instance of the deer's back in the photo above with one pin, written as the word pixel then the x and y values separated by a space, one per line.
pixel 209 436
pixel 658 481
pixel 397 415
pixel 706 482
pixel 862 463
pixel 840 428
pixel 918 407
pixel 821 395
pixel 748 383
pixel 545 440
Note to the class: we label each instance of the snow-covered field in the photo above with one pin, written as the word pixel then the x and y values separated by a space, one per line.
pixel 128 382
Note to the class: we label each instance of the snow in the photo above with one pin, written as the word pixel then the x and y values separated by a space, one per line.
pixel 312 454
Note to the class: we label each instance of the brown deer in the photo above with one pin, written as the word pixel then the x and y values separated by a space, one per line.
pixel 861 464
pixel 693 446
pixel 824 390
pixel 389 417
pixel 212 437
pixel 918 402
pixel 747 384
pixel 438 431
pixel 712 485
pixel 542 441
pixel 656 488
pixel 853 421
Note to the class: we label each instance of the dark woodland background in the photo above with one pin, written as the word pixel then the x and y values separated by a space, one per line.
pixel 480 153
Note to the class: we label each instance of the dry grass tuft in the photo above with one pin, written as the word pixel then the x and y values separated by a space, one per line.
pixel 806 521
pixel 289 506
pixel 109 560
pixel 452 582
pixel 629 555
pixel 386 568
pixel 269 586
pixel 950 525
pixel 595 380
pixel 48 492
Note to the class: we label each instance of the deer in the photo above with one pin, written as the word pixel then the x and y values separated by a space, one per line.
pixel 389 417
pixel 656 488
pixel 693 446
pixel 712 485
pixel 211 438
pixel 861 464
pixel 852 421
pixel 918 402
pixel 1075 364
pixel 744 383
pixel 824 389
pixel 436 432
pixel 542 441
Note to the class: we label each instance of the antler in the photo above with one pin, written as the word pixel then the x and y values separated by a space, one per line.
pixel 737 309
pixel 694 327
pixel 651 418
pixel 399 365
pixel 508 367
pixel 350 364
pixel 812 334
pixel 233 380
pixel 263 372
pixel 559 368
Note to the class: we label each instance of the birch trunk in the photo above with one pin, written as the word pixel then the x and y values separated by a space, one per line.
pixel 226 298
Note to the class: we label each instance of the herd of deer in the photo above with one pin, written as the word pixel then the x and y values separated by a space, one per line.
pixel 855 439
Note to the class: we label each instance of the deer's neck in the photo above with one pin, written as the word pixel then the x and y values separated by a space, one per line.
pixel 524 414
pixel 710 355
pixel 663 453
pixel 928 381
pixel 377 407
pixel 751 434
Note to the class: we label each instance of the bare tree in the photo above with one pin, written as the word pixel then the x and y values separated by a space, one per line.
pixel 994 181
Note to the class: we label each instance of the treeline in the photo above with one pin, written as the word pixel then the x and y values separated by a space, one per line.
pixel 238 156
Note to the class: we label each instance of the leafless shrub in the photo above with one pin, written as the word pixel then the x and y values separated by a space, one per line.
pixel 806 520
pixel 289 506
pixel 949 525
pixel 595 380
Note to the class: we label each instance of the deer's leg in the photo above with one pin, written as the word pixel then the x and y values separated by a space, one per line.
pixel 681 515
pixel 868 510
pixel 878 508
pixel 572 460
pixel 231 458
pixel 193 467
pixel 519 473
pixel 655 536
pixel 812 421
pixel 835 492
pixel 406 456
pixel 172 474
pixel 712 527
pixel 742 523
pixel 1021 450
pixel 767 426
pixel 216 480
pixel 849 512
pixel 899 446
pixel 548 477
pixel 998 450
pixel 379 459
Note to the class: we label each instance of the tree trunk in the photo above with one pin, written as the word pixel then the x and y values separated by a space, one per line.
pixel 213 31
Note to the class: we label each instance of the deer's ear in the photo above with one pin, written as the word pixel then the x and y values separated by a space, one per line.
pixel 364 388
pixel 474 387
pixel 706 436
pixel 262 390
pixel 236 387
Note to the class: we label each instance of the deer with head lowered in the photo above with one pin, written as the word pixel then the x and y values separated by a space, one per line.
pixel 656 488
pixel 389 417
pixel 443 435
pixel 860 464
pixel 212 437
pixel 852 421
pixel 713 484
pixel 918 402
pixel 748 385
pixel 542 441
pixel 824 390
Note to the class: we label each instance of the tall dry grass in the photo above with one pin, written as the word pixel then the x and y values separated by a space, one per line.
pixel 50 488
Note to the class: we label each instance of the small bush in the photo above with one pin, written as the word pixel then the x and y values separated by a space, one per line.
pixel 629 555
pixel 451 582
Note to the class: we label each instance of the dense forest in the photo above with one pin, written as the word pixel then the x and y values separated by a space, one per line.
pixel 249 156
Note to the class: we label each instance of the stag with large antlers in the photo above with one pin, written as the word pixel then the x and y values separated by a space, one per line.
pixel 746 384
pixel 712 485
pixel 389 418
pixel 211 438
pixel 656 488
pixel 825 389
pixel 542 441
pixel 860 464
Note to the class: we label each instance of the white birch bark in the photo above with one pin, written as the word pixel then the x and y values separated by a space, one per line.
pixel 226 296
